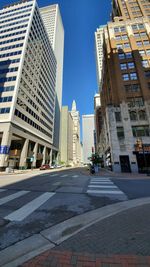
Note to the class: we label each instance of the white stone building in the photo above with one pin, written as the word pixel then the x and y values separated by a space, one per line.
pixel 88 127
pixel 54 26
pixel 99 39
pixel 27 87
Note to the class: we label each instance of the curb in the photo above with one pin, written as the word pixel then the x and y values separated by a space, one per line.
pixel 28 248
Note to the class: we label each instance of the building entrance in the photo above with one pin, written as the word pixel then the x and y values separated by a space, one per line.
pixel 125 164
pixel 143 161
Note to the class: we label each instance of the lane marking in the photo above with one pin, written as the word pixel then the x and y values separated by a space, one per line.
pixel 103 186
pixel 106 192
pixel 46 174
pixel 27 209
pixel 52 175
pixel 75 176
pixel 111 183
pixel 65 175
pixel 12 196
pixel 2 190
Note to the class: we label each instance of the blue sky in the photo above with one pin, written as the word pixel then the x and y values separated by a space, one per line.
pixel 80 19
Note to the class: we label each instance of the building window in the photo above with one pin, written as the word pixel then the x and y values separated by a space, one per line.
pixel 131 65
pixel 120 132
pixel 123 66
pixel 133 76
pixel 147 74
pixel 139 131
pixel 142 115
pixel 145 63
pixel 133 115
pixel 135 102
pixel 118 116
pixel 125 77
pixel 121 56
pixel 128 55
pixel 4 110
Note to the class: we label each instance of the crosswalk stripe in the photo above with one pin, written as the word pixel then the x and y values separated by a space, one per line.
pixel 27 209
pixel 12 196
pixel 106 192
pixel 75 176
pixel 109 182
pixel 2 190
pixel 103 186
pixel 65 175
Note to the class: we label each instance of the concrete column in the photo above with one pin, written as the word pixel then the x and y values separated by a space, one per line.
pixel 44 155
pixel 6 141
pixel 24 153
pixel 35 150
pixel 50 156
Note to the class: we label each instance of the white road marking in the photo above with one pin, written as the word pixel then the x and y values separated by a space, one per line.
pixel 12 196
pixel 102 182
pixel 115 192
pixel 75 176
pixel 65 175
pixel 45 174
pixel 2 190
pixel 103 186
pixel 27 209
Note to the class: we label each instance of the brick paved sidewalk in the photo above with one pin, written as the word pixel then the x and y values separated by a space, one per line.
pixel 69 259
pixel 122 240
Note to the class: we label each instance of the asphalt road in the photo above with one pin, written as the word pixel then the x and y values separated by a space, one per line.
pixel 32 204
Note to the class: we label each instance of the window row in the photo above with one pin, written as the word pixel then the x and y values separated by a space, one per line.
pixel 14 28
pixel 132 87
pixel 15 18
pixel 140 115
pixel 6 89
pixel 137 131
pixel 4 110
pixel 15 13
pixel 15 9
pixel 12 40
pixel 8 70
pixel 9 61
pixel 32 123
pixel 11 47
pixel 125 66
pixel 123 46
pixel 14 23
pixel 5 99
pixel 11 54
pixel 125 55
pixel 143 42
pixel 11 34
pixel 7 79
pixel 129 76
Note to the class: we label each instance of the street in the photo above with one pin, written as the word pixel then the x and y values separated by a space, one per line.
pixel 32 204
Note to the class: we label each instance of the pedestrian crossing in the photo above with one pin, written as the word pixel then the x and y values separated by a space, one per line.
pixel 27 208
pixel 103 186
pixel 58 175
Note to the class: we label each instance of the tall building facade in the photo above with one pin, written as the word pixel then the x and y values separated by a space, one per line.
pixel 88 127
pixel 27 87
pixel 53 23
pixel 66 137
pixel 76 135
pixel 99 54
pixel 125 94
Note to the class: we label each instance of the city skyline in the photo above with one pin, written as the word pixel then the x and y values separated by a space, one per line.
pixel 79 55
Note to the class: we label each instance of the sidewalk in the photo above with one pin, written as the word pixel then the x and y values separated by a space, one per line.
pixel 122 240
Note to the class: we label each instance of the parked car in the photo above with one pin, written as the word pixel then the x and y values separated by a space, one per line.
pixel 44 167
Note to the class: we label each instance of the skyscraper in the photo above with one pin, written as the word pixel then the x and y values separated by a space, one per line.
pixel 54 26
pixel 88 126
pixel 125 94
pixel 27 87
pixel 76 134
pixel 99 36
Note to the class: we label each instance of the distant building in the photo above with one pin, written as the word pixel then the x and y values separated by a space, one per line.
pixel 66 137
pixel 76 135
pixel 53 23
pixel 88 127
pixel 27 88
